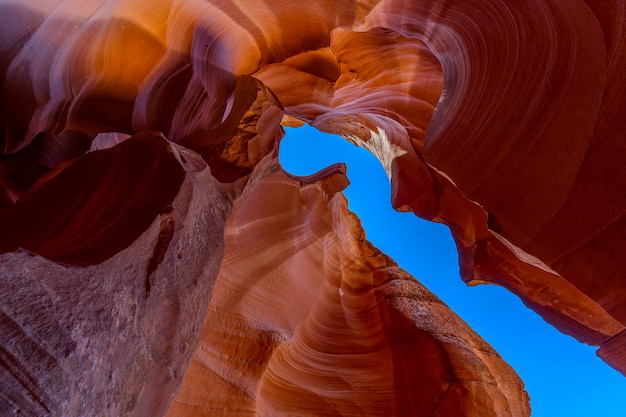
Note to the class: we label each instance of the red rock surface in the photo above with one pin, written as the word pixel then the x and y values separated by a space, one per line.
pixel 503 120
pixel 307 318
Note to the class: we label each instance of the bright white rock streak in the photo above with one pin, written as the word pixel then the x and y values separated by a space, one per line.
pixel 380 146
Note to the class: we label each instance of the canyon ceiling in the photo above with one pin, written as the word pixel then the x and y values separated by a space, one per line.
pixel 156 260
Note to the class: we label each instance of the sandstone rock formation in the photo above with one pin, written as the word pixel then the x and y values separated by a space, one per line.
pixel 154 258
pixel 88 329
pixel 307 318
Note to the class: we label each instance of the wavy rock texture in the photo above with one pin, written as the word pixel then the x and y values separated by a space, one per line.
pixel 307 318
pixel 502 120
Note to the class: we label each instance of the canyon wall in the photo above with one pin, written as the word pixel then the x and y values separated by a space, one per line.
pixel 155 259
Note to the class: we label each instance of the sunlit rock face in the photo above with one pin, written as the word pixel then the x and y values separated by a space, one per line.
pixel 130 130
pixel 307 318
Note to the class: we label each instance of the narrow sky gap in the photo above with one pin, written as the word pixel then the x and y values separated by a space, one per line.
pixel 562 376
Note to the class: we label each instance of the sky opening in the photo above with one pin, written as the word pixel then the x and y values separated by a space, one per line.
pixel 562 376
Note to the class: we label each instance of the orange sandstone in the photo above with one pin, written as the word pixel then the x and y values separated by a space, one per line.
pixel 128 131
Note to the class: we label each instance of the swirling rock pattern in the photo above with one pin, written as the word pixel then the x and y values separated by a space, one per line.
pixel 307 318
pixel 502 120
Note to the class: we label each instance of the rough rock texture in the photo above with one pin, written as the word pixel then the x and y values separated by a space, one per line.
pixel 115 336
pixel 503 120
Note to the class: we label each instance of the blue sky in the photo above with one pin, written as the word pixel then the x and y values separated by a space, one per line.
pixel 562 376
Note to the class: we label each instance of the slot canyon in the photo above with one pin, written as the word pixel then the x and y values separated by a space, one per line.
pixel 156 260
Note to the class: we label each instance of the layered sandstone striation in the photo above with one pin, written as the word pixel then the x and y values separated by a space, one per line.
pixel 149 242
pixel 102 304
pixel 307 318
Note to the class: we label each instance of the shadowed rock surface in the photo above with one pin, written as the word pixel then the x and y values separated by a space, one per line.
pixel 155 258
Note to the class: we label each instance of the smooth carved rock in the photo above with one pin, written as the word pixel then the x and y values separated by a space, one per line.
pixel 307 318
pixel 502 120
